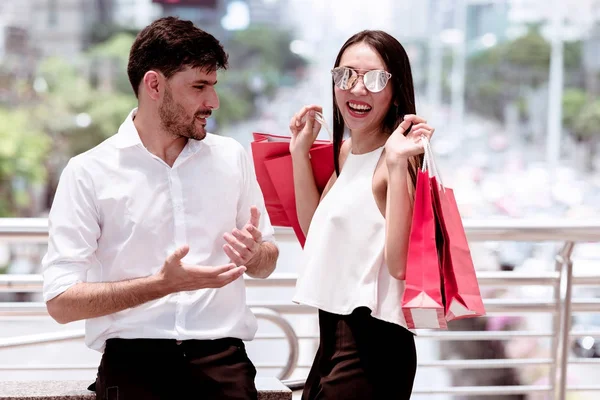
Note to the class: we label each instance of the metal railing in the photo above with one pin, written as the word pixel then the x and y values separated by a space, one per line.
pixel 561 280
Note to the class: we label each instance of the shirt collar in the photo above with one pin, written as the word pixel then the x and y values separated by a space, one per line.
pixel 194 145
pixel 128 136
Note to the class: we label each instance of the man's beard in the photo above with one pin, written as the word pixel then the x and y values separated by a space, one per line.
pixel 172 117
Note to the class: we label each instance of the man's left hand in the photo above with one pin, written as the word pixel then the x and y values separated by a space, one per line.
pixel 242 245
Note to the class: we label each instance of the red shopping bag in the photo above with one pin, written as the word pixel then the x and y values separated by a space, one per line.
pixel 280 172
pixel 274 172
pixel 463 297
pixel 423 300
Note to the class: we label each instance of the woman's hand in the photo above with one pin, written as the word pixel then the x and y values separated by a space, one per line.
pixel 304 130
pixel 400 146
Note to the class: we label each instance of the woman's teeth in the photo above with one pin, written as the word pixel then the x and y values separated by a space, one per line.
pixel 359 108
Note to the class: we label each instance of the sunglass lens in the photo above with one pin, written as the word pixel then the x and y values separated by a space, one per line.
pixel 375 81
pixel 344 78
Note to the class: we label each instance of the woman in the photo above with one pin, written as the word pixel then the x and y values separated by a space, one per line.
pixel 355 254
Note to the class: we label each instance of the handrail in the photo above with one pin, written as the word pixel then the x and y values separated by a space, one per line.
pixel 267 314
pixel 32 283
pixel 492 306
pixel 560 306
pixel 479 230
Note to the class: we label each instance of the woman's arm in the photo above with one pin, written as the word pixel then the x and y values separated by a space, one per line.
pixel 404 143
pixel 307 193
pixel 398 211
pixel 305 188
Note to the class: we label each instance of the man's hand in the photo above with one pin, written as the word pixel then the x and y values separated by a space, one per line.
pixel 243 245
pixel 176 276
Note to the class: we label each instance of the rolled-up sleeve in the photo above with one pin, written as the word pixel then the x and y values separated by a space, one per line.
pixel 252 196
pixel 74 230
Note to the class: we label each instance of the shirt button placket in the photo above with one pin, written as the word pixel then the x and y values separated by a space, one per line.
pixel 180 234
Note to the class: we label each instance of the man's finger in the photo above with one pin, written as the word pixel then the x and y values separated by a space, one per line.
pixel 239 247
pixel 232 254
pixel 244 237
pixel 256 234
pixel 232 275
pixel 254 216
pixel 221 269
pixel 179 253
pixel 236 243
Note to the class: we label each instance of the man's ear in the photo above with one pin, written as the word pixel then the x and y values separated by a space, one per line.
pixel 151 84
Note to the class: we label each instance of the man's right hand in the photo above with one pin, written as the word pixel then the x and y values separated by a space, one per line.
pixel 177 276
pixel 304 130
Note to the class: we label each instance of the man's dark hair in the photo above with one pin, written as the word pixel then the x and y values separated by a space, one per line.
pixel 169 45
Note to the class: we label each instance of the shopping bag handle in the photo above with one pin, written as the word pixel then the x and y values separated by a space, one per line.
pixel 429 164
pixel 320 119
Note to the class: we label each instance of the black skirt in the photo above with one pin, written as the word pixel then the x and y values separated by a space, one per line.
pixel 361 357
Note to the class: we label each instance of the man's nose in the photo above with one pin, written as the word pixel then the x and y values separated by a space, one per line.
pixel 212 101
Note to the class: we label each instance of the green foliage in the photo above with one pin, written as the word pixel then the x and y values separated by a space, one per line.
pixel 574 100
pixel 529 51
pixel 264 46
pixel 22 157
pixel 581 116
pixel 504 73
pixel 587 125
pixel 260 62
pixel 66 109
pixel 114 51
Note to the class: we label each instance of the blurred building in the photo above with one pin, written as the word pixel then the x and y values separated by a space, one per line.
pixel 206 14
pixel 579 16
pixel 221 17
pixel 17 50
pixel 268 12
pixel 58 27
pixel 51 27
pixel 135 13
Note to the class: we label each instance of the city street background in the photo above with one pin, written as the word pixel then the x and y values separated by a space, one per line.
pixel 511 87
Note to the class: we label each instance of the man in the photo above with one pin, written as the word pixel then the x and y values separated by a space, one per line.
pixel 152 230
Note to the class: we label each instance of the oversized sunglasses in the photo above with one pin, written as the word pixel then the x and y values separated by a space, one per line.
pixel 345 78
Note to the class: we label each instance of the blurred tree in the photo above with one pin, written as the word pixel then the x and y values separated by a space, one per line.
pixel 108 63
pixel 74 113
pixel 22 157
pixel 573 102
pixel 506 72
pixel 75 105
pixel 260 62
pixel 586 129
pixel 264 45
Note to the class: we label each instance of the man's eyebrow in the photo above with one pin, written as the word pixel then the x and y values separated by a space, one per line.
pixel 204 82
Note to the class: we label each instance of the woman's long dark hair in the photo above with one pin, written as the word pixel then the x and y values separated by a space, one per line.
pixel 403 93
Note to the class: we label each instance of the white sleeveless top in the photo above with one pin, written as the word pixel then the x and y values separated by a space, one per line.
pixel 343 265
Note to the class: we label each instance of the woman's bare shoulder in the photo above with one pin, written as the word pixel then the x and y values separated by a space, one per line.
pixel 344 151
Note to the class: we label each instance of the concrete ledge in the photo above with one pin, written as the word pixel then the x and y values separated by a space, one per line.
pixel 268 389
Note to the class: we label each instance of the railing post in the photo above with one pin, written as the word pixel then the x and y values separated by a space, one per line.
pixel 290 335
pixel 554 342
pixel 566 293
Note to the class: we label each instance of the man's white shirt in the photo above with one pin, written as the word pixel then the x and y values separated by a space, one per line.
pixel 119 211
